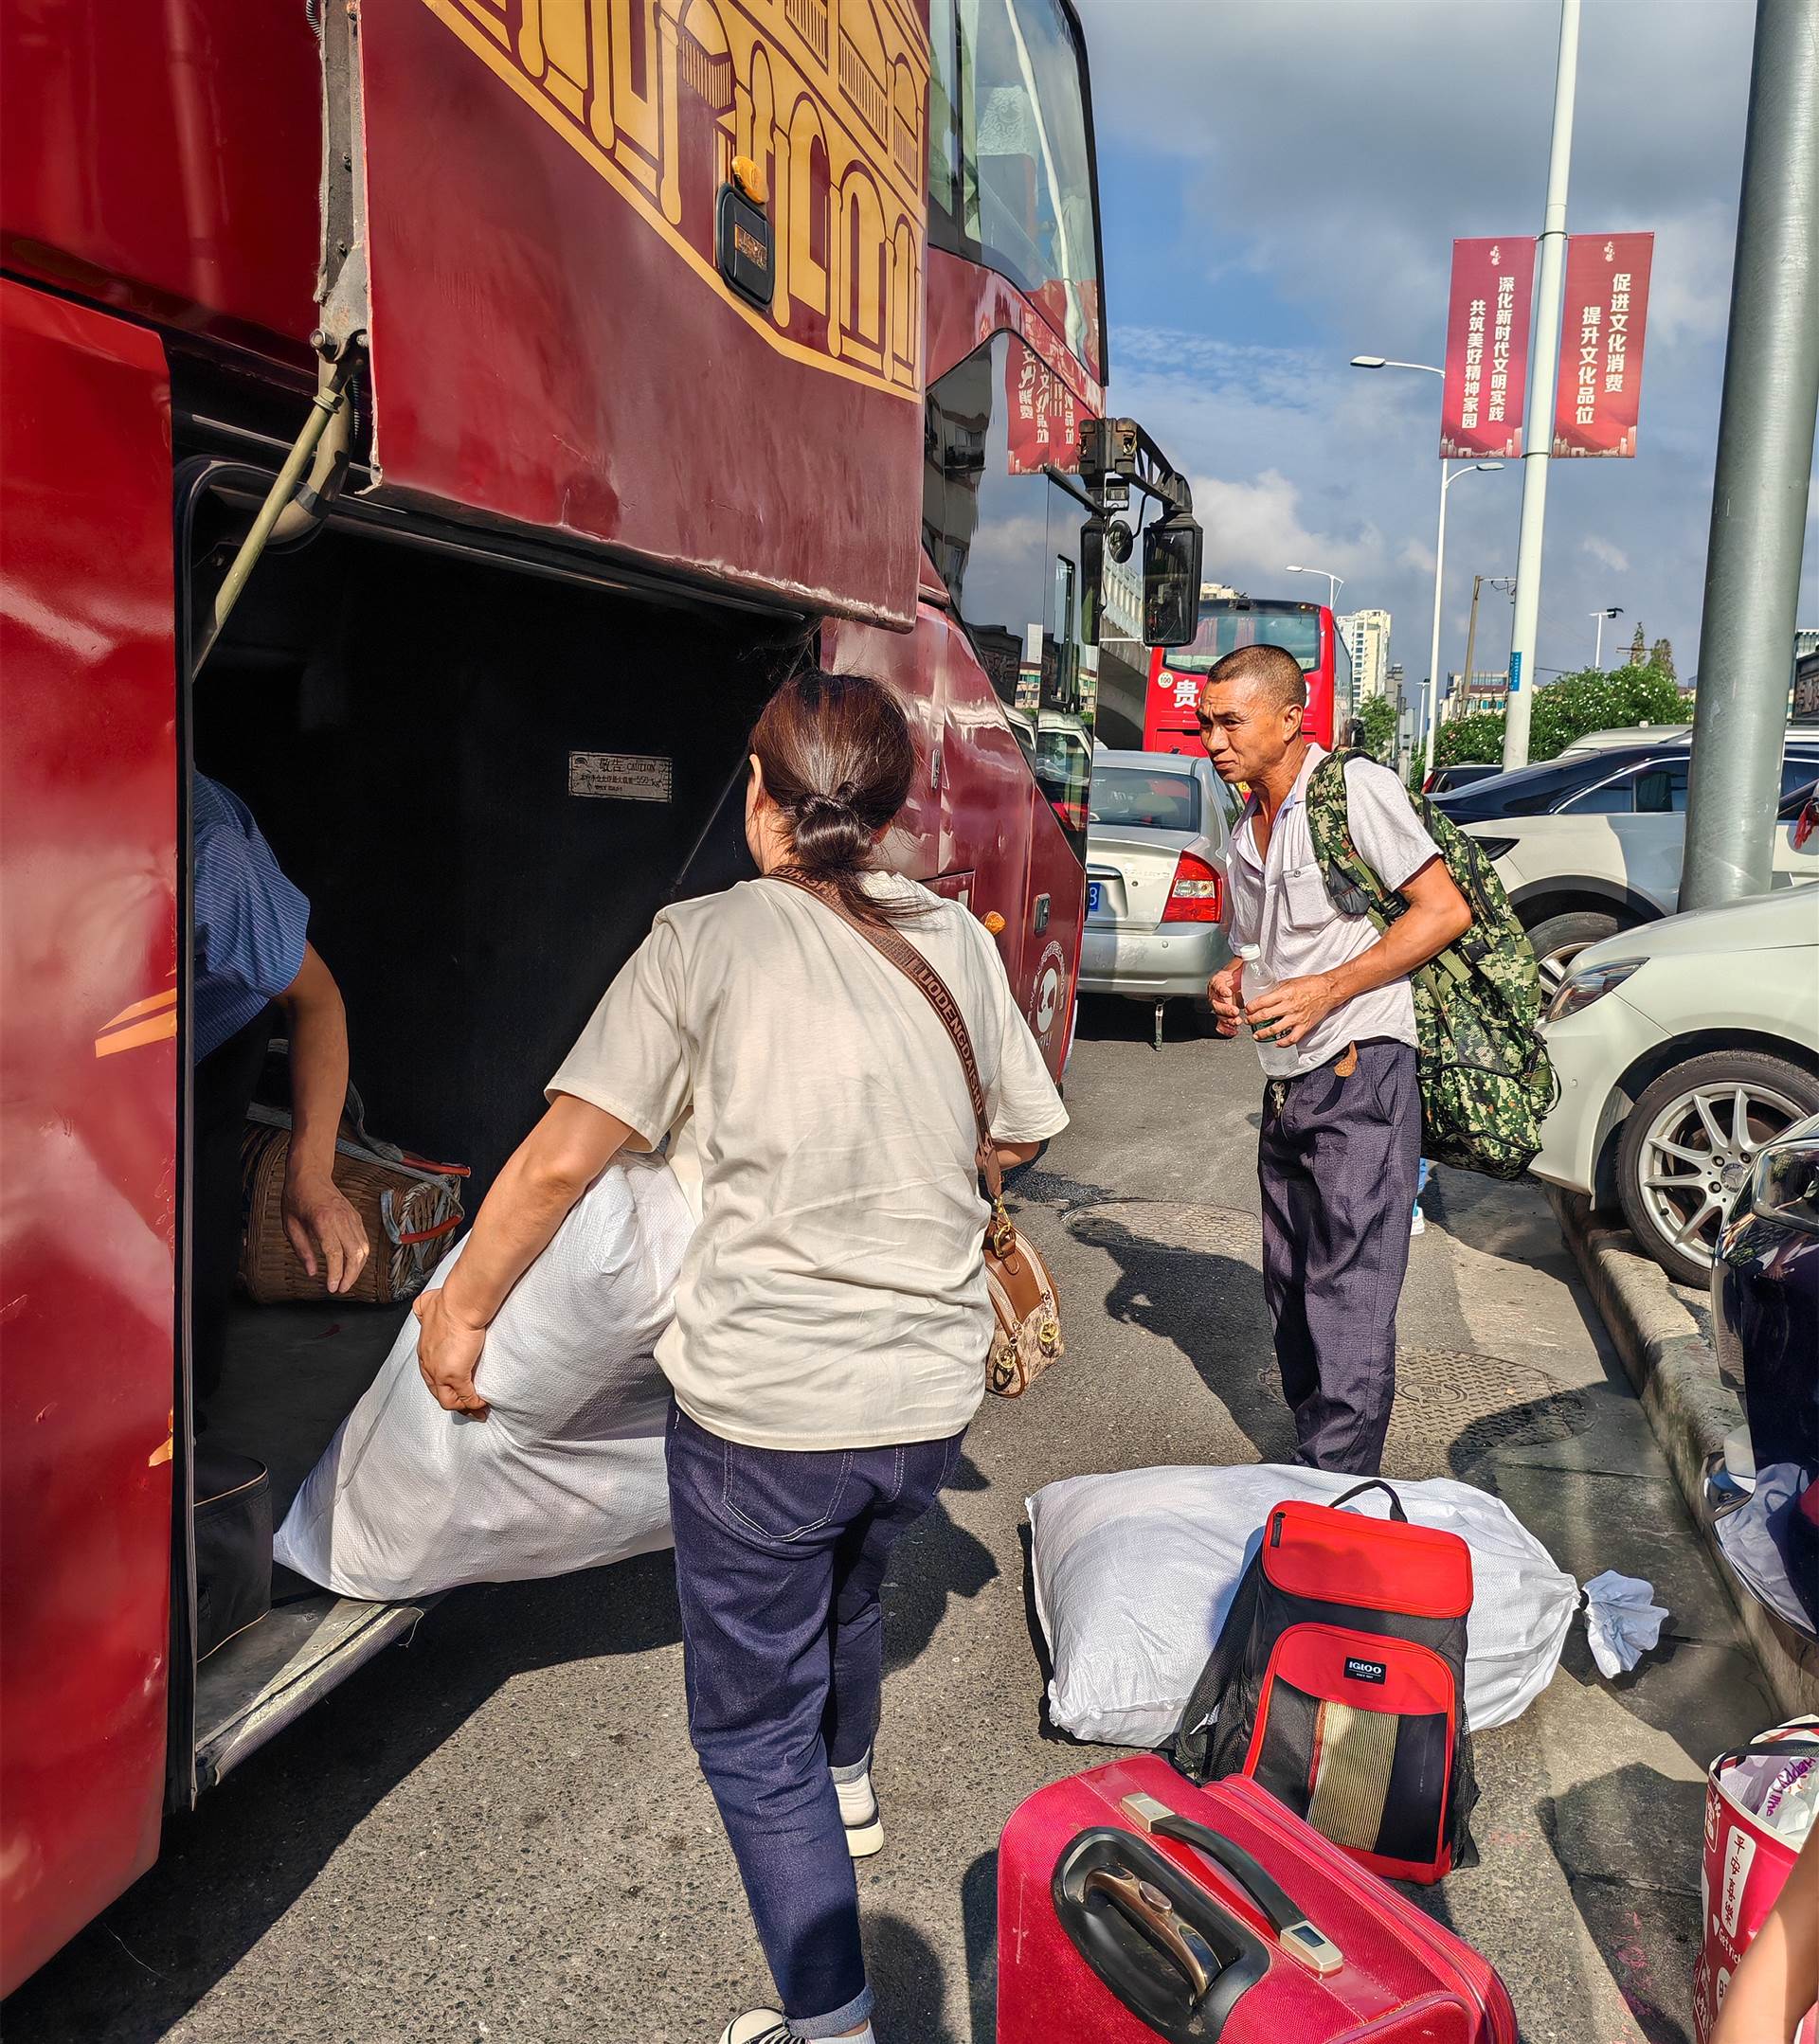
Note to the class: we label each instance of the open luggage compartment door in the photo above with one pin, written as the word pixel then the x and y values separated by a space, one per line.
pixel 577 320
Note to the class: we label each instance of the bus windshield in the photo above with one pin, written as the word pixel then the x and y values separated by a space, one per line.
pixel 1024 202
pixel 1224 629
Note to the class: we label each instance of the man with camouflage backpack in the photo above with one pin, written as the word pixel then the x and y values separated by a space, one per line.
pixel 1334 1027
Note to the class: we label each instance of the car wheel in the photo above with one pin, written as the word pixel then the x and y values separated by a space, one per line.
pixel 1560 939
pixel 1688 1143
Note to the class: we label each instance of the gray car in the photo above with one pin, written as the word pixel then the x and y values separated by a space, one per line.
pixel 1159 828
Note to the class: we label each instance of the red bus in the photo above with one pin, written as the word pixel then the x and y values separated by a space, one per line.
pixel 658 348
pixel 1226 622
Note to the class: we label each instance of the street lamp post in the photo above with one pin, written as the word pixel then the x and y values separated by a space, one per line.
pixel 1614 611
pixel 1538 438
pixel 1447 477
pixel 1333 583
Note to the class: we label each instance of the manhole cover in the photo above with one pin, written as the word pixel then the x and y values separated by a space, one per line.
pixel 1453 1407
pixel 1160 1224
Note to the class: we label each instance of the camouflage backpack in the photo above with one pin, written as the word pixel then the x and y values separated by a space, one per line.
pixel 1486 1081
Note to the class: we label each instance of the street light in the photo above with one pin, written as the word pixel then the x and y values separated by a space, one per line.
pixel 1439 575
pixel 1614 611
pixel 1447 477
pixel 1333 583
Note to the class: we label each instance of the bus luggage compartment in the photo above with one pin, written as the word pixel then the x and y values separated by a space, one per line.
pixel 486 781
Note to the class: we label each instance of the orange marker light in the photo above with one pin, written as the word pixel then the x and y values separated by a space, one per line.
pixel 750 179
pixel 993 921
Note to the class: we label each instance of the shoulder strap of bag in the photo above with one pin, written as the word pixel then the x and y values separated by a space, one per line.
pixel 1192 1751
pixel 901 953
pixel 1352 885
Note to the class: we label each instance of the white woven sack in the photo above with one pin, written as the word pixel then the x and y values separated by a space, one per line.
pixel 566 1471
pixel 1134 1574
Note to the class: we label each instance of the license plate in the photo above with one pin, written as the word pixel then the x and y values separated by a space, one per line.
pixel 1095 895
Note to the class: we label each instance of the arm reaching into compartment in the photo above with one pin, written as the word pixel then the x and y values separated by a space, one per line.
pixel 317 1218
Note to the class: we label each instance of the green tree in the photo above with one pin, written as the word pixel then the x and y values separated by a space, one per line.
pixel 1573 704
pixel 1479 736
pixel 1639 648
pixel 1379 719
pixel 1662 655
pixel 1566 709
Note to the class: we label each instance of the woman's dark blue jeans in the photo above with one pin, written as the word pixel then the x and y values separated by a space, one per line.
pixel 779 1558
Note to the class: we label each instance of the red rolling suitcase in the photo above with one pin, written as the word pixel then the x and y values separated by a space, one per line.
pixel 1133 1905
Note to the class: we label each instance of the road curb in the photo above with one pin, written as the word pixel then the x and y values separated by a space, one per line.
pixel 1690 1409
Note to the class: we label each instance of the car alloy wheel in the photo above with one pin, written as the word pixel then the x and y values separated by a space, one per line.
pixel 1560 939
pixel 1696 1153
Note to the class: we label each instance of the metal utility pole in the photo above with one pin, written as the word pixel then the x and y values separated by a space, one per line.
pixel 1765 431
pixel 1537 435
pixel 1471 630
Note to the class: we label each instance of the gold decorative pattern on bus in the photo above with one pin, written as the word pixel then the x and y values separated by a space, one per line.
pixel 827 98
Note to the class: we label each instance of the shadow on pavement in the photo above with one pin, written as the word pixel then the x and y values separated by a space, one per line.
pixel 233 1867
pixel 1211 1308
pixel 978 1911
pixel 1645 1923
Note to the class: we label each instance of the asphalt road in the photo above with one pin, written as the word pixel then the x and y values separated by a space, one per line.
pixel 499 1831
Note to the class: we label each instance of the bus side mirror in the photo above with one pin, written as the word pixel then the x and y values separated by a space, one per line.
pixel 1172 549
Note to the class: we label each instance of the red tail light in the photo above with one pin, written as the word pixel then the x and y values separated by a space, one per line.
pixel 1196 894
pixel 1427 786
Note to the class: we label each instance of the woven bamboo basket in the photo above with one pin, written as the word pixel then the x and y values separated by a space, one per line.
pixel 410 1215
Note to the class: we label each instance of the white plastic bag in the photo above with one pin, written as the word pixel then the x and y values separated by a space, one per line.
pixel 1622 1620
pixel 566 1471
pixel 1134 1574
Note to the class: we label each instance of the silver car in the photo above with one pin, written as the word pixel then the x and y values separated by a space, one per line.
pixel 1158 827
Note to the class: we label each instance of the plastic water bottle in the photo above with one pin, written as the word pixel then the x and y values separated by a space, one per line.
pixel 1253 983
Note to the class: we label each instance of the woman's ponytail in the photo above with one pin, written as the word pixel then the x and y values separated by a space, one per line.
pixel 838 761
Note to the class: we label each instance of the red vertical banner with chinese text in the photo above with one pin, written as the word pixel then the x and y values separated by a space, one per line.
pixel 1487 323
pixel 1599 394
pixel 1044 415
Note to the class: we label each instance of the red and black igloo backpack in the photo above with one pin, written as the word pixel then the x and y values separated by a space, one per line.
pixel 1339 1682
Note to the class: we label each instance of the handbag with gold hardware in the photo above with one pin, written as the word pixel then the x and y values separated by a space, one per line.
pixel 1027 1336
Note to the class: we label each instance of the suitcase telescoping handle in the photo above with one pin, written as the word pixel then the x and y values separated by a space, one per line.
pixel 1294 1932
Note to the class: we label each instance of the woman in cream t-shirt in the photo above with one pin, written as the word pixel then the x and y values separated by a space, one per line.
pixel 832 1322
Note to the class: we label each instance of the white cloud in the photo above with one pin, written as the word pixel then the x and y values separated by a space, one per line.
pixel 1284 180
pixel 1601 549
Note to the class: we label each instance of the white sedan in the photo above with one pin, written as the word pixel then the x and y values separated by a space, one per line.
pixel 1159 828
pixel 1681 1047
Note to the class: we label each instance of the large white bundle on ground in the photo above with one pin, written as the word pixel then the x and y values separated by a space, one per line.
pixel 566 1471
pixel 1134 1574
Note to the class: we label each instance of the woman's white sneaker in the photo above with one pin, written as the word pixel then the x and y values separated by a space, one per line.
pixel 859 1814
pixel 756 2026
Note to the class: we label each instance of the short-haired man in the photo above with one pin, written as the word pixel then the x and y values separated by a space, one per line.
pixel 1342 1116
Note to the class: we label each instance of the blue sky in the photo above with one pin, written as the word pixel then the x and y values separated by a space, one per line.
pixel 1281 183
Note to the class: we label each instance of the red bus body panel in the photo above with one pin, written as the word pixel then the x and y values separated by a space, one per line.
pixel 165 160
pixel 570 262
pixel 88 994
